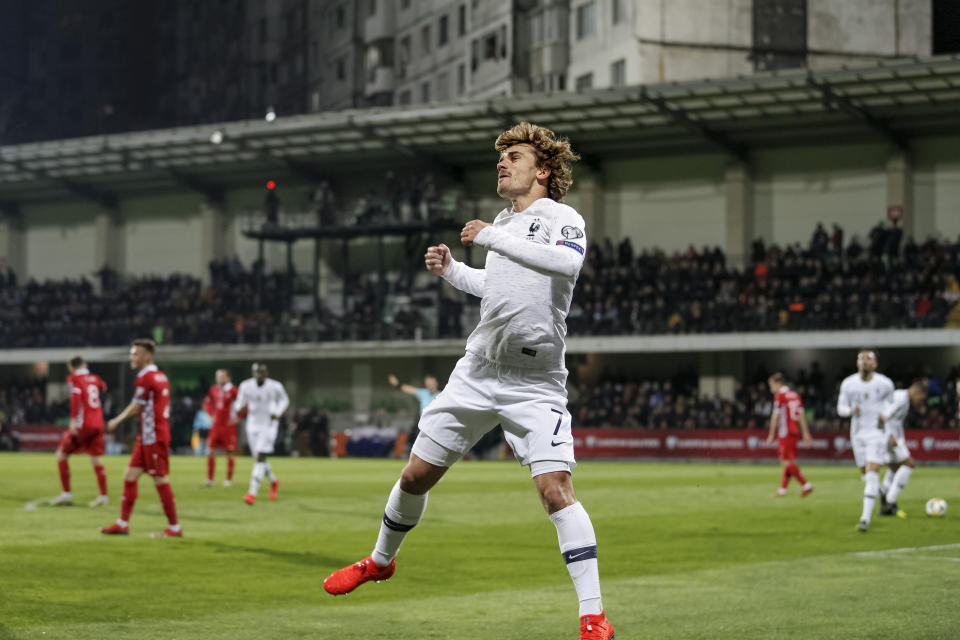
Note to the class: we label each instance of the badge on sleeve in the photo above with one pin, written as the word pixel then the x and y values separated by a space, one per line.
pixel 571 233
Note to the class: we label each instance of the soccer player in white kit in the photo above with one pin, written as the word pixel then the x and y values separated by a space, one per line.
pixel 513 372
pixel 899 459
pixel 266 400
pixel 862 398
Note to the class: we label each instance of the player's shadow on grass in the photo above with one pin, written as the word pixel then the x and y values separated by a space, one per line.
pixel 294 557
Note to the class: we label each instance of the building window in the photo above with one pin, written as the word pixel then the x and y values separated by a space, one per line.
pixel 372 8
pixel 586 19
pixel 404 54
pixel 425 39
pixel 443 87
pixel 263 30
pixel 340 17
pixel 490 47
pixel 341 69
pixel 618 73
pixel 442 31
pixel 619 11
pixel 584 82
pixel 404 97
pixel 462 20
pixel 425 92
pixel 461 79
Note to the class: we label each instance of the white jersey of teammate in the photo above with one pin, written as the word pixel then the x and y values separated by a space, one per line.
pixel 866 432
pixel 262 402
pixel 513 373
pixel 895 411
pixel 526 286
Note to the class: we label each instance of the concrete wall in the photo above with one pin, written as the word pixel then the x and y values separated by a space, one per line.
pixel 58 241
pixel 164 234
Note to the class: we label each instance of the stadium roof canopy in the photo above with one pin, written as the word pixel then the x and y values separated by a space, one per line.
pixel 892 101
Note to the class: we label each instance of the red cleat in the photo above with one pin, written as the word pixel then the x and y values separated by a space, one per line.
pixel 807 491
pixel 168 533
pixel 349 578
pixel 596 627
pixel 250 499
pixel 115 530
pixel 273 489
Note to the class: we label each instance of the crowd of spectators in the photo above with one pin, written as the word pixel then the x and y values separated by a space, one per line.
pixel 676 403
pixel 825 285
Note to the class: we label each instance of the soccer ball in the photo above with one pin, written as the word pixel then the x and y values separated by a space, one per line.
pixel 936 507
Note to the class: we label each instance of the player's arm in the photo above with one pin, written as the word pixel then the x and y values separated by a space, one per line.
pixel 844 410
pixel 406 388
pixel 563 256
pixel 467 279
pixel 208 402
pixel 240 401
pixel 283 401
pixel 76 403
pixel 133 409
pixel 773 423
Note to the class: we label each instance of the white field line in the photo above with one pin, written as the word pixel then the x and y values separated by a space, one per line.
pixel 886 552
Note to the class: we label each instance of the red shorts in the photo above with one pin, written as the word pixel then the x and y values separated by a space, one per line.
pixel 88 440
pixel 223 438
pixel 152 458
pixel 787 448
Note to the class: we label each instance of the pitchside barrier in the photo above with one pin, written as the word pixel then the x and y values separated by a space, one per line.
pixel 724 444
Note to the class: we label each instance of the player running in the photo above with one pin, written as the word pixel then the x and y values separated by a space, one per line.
pixel 513 372
pixel 86 430
pixel 900 461
pixel 862 398
pixel 151 454
pixel 265 400
pixel 223 432
pixel 784 421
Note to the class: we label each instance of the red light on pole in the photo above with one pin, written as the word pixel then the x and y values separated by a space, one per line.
pixel 271 185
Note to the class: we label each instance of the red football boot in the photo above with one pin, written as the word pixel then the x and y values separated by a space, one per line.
pixel 249 499
pixel 596 627
pixel 273 489
pixel 807 490
pixel 115 530
pixel 168 533
pixel 349 578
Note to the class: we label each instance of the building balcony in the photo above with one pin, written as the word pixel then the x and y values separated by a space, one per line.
pixel 379 80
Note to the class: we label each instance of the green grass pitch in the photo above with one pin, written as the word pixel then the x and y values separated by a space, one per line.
pixel 686 551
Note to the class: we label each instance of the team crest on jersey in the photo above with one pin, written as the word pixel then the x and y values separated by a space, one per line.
pixel 571 233
pixel 534 227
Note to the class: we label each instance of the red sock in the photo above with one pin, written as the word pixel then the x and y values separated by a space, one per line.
pixel 211 466
pixel 785 478
pixel 129 497
pixel 101 478
pixel 795 470
pixel 64 475
pixel 230 469
pixel 169 506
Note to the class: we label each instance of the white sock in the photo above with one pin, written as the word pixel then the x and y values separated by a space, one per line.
pixel 870 488
pixel 887 482
pixel 578 544
pixel 402 513
pixel 175 527
pixel 270 476
pixel 899 482
pixel 123 523
pixel 256 477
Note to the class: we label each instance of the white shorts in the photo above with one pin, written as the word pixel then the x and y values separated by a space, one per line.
pixel 899 452
pixel 530 406
pixel 260 438
pixel 873 449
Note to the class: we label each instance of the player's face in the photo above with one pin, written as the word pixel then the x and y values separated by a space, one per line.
pixel 260 374
pixel 430 383
pixel 222 377
pixel 517 171
pixel 917 397
pixel 137 358
pixel 773 386
pixel 866 362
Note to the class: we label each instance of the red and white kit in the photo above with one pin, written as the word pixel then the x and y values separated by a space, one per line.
pixel 86 414
pixel 152 450
pixel 219 405
pixel 789 407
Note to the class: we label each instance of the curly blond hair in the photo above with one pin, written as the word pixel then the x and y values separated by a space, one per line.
pixel 553 152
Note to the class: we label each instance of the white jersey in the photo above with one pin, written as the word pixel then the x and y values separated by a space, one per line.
pixel 262 401
pixel 895 411
pixel 870 396
pixel 533 260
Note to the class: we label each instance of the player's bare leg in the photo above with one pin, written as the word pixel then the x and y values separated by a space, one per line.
pixel 100 471
pixel 578 545
pixel 63 466
pixel 405 507
pixel 230 466
pixel 789 469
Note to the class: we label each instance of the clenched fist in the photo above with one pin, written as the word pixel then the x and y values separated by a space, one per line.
pixel 470 231
pixel 437 259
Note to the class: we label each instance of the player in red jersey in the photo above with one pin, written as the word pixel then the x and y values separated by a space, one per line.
pixel 151 401
pixel 788 422
pixel 86 429
pixel 223 433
